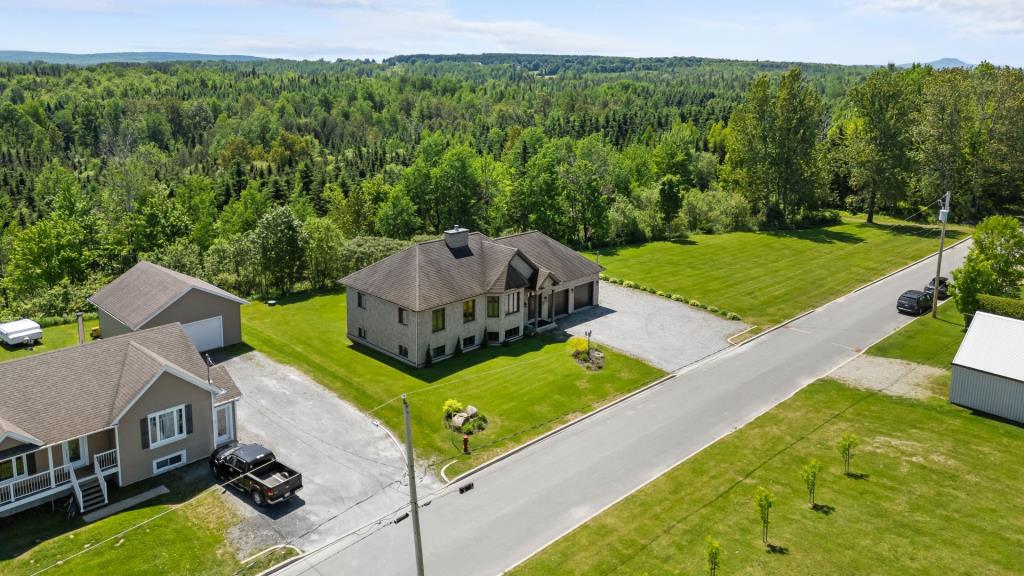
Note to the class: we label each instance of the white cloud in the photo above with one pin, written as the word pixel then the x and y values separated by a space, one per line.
pixel 990 17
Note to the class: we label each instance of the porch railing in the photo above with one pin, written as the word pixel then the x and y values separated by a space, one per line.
pixel 105 461
pixel 23 488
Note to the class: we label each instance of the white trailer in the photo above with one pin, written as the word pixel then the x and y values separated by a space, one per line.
pixel 20 332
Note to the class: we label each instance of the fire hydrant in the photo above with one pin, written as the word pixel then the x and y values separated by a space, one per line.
pixel 465 443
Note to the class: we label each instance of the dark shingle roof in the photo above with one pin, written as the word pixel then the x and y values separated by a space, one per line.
pixel 71 392
pixel 431 274
pixel 565 263
pixel 142 292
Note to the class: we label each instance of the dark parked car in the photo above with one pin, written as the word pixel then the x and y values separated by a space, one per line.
pixel 914 302
pixel 255 471
pixel 943 287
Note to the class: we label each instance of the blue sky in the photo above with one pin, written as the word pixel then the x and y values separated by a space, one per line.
pixel 841 31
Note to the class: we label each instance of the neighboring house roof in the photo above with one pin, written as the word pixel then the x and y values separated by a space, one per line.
pixel 993 344
pixel 431 274
pixel 147 289
pixel 67 393
pixel 565 263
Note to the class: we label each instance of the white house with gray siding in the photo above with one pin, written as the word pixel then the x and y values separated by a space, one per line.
pixel 454 294
pixel 988 370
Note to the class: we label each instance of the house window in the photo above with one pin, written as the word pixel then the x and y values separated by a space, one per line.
pixel 512 333
pixel 166 426
pixel 469 310
pixel 13 468
pixel 439 351
pixel 403 316
pixel 492 306
pixel 492 336
pixel 361 332
pixel 512 303
pixel 403 351
pixel 176 460
pixel 76 452
pixel 361 300
pixel 438 319
pixel 469 342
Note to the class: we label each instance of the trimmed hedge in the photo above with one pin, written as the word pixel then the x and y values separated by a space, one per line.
pixel 674 297
pixel 1009 307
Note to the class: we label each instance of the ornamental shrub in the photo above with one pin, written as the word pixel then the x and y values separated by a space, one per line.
pixel 713 309
pixel 629 284
pixel 733 316
pixel 695 303
pixel 679 298
pixel 602 276
pixel 452 407
pixel 577 345
pixel 660 293
pixel 1009 307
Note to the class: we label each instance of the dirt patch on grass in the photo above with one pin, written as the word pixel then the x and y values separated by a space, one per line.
pixel 895 377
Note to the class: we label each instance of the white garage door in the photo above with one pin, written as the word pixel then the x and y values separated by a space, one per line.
pixel 206 334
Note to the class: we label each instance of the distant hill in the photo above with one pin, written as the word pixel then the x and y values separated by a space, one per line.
pixel 20 56
pixel 943 63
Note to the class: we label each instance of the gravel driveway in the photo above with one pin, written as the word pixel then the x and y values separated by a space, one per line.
pixel 662 332
pixel 353 471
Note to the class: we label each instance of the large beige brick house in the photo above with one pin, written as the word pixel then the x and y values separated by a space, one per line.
pixel 110 412
pixel 456 293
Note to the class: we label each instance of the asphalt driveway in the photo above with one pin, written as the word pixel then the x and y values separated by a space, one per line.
pixel 662 332
pixel 353 471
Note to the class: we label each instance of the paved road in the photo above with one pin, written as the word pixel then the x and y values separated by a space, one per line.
pixel 663 333
pixel 349 466
pixel 522 503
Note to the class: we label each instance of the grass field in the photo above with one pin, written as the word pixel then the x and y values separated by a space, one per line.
pixel 926 340
pixel 524 389
pixel 54 338
pixel 189 540
pixel 939 493
pixel 768 277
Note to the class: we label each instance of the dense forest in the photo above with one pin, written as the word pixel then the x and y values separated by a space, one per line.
pixel 264 176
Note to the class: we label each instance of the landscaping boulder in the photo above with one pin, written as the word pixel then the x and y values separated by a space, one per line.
pixel 458 420
pixel 471 411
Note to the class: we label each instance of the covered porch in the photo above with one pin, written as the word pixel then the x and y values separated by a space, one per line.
pixel 31 475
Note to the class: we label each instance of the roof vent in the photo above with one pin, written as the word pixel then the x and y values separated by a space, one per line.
pixel 457 237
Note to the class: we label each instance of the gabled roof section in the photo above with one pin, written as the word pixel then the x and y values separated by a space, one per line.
pixel 9 430
pixel 431 274
pixel 566 264
pixel 71 392
pixel 993 344
pixel 145 290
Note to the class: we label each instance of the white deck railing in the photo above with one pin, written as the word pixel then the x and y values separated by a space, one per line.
pixel 24 488
pixel 105 461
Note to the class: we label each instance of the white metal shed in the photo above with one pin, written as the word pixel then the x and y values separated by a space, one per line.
pixel 20 331
pixel 988 370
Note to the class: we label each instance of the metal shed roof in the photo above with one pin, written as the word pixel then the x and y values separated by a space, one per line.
pixel 993 344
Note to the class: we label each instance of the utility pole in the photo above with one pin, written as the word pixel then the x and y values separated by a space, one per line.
pixel 413 501
pixel 943 216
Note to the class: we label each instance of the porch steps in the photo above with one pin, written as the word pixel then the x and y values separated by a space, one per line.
pixel 92 493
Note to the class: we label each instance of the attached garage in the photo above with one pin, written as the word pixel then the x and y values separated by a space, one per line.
pixel 988 374
pixel 561 299
pixel 583 295
pixel 149 295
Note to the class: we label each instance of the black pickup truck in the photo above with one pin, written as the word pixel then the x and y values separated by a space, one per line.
pixel 255 471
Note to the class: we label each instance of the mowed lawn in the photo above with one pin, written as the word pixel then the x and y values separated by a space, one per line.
pixel 926 340
pixel 187 540
pixel 940 493
pixel 768 277
pixel 524 389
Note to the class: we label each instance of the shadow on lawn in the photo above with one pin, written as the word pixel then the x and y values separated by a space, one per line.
pixel 25 530
pixel 824 509
pixel 776 549
pixel 817 235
